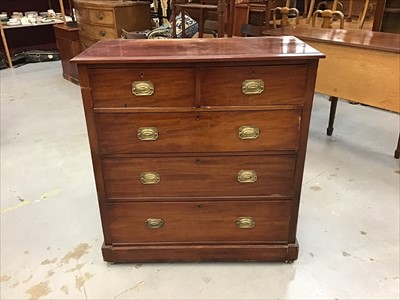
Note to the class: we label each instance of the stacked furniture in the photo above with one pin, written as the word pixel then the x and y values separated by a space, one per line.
pixel 100 20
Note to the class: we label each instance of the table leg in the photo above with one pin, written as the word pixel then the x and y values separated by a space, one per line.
pixel 397 151
pixel 332 113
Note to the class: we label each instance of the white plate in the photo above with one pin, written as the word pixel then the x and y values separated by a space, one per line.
pixel 13 23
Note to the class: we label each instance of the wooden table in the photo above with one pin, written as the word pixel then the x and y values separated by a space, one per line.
pixel 360 66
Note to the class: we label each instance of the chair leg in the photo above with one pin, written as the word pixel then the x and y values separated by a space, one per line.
pixel 397 151
pixel 361 19
pixel 231 17
pixel 183 23
pixel 332 113
pixel 201 24
pixel 349 18
pixel 310 11
pixel 221 21
pixel 173 17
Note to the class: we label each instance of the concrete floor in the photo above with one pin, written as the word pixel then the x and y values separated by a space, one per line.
pixel 50 227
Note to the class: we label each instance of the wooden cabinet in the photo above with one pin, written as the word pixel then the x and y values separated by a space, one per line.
pixel 198 150
pixel 67 39
pixel 99 20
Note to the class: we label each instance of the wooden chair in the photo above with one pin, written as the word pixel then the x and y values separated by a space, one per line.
pixel 328 16
pixel 224 9
pixel 284 11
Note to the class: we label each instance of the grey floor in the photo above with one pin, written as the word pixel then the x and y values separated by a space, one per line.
pixel 50 227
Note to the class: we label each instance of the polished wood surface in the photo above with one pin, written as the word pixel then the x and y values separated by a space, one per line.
pixel 193 176
pixel 184 132
pixel 354 38
pixel 197 50
pixel 67 39
pixel 207 179
pixel 354 57
pixel 200 222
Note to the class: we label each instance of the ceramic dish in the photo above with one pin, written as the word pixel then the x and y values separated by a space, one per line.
pixel 13 23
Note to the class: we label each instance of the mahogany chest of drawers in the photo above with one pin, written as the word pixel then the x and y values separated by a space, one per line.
pixel 198 145
pixel 100 20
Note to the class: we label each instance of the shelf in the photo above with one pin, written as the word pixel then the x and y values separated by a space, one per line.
pixel 32 25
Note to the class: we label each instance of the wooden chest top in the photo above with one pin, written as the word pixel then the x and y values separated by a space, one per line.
pixel 197 50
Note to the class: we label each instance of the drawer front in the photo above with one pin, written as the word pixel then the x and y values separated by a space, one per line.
pixel 82 14
pixel 97 32
pixel 199 176
pixel 198 132
pixel 253 85
pixel 101 17
pixel 153 87
pixel 85 42
pixel 198 222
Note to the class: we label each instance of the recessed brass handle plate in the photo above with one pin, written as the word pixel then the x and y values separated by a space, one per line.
pixel 142 88
pixel 247 176
pixel 245 222
pixel 147 133
pixel 154 223
pixel 149 178
pixel 249 132
pixel 253 86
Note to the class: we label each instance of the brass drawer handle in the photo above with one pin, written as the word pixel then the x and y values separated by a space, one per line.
pixel 147 133
pixel 245 222
pixel 154 223
pixel 247 176
pixel 142 88
pixel 99 17
pixel 249 132
pixel 253 87
pixel 102 33
pixel 149 178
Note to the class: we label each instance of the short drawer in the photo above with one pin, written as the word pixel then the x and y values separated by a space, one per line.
pixel 147 87
pixel 198 132
pixel 102 17
pixel 253 85
pixel 199 222
pixel 199 176
pixel 97 32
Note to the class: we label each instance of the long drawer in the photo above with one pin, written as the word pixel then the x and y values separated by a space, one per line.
pixel 97 32
pixel 255 221
pixel 147 87
pixel 199 176
pixel 198 132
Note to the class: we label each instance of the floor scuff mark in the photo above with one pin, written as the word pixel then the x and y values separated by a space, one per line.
pixel 5 278
pixel 39 290
pixel 77 253
pixel 65 289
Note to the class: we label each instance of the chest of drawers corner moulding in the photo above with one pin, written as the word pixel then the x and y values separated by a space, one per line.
pixel 190 166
